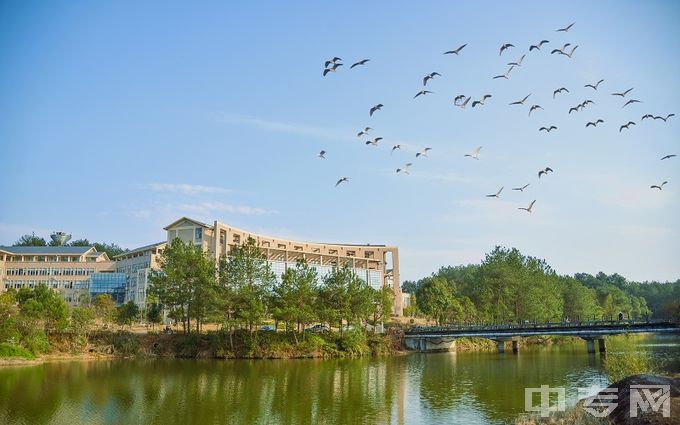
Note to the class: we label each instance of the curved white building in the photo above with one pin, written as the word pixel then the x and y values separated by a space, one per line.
pixel 376 264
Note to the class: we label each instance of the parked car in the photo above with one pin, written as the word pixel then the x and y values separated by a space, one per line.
pixel 319 328
pixel 268 328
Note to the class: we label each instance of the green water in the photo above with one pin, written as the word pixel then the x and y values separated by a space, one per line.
pixel 459 388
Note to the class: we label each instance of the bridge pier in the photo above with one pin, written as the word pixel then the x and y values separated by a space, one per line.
pixel 430 344
pixel 500 343
pixel 590 343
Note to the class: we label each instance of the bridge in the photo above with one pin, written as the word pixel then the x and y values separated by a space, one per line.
pixel 443 338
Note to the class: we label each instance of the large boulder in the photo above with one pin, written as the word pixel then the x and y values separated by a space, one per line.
pixel 621 415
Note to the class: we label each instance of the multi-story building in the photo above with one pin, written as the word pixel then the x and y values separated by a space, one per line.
pixel 136 265
pixel 378 265
pixel 69 270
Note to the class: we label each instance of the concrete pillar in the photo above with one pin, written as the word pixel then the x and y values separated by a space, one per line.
pixel 515 346
pixel 501 347
pixel 603 345
pixel 590 344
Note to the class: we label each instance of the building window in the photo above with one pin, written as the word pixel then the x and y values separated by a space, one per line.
pixel 198 233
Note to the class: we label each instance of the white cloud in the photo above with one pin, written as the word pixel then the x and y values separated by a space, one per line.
pixel 10 233
pixel 190 189
pixel 637 197
pixel 206 208
pixel 283 127
pixel 449 177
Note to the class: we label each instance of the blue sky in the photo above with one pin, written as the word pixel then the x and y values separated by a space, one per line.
pixel 116 118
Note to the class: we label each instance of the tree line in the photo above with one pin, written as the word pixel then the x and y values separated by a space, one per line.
pixel 508 287
pixel 111 249
pixel 242 291
pixel 28 316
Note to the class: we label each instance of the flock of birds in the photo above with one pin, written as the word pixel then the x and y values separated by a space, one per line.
pixel 462 100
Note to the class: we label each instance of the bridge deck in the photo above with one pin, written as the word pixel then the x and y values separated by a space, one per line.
pixel 582 329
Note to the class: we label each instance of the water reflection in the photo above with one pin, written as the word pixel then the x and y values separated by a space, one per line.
pixel 416 388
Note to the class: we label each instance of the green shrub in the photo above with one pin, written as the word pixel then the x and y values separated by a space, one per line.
pixel 188 346
pixel 126 343
pixel 13 351
pixel 37 343
pixel 353 343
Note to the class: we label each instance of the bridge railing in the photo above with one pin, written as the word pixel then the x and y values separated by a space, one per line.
pixel 527 325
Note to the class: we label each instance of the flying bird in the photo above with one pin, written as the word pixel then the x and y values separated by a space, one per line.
pixel 566 29
pixel 521 102
pixel 332 61
pixel 533 108
pixel 548 129
pixel 374 142
pixel 630 102
pixel 594 87
pixel 462 105
pixel 342 180
pixel 646 116
pixel 623 94
pixel 474 154
pixel 422 92
pixel 481 101
pixel 669 156
pixel 361 62
pixel 560 90
pixel 573 49
pixel 528 209
pixel 626 126
pixel 660 186
pixel 519 62
pixel 504 47
pixel 332 69
pixel 504 75
pixel 521 189
pixel 322 154
pixel 664 119
pixel 561 51
pixel 423 152
pixel 458 99
pixel 594 123
pixel 538 46
pixel 430 76
pixel 404 168
pixel 575 108
pixel 455 52
pixel 497 194
pixel 394 148
pixel 546 171
pixel 364 131
pixel 377 107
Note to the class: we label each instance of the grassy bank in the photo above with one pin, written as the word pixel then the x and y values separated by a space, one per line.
pixel 239 344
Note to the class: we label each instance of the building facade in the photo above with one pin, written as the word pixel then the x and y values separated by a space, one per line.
pixel 137 265
pixel 66 269
pixel 378 265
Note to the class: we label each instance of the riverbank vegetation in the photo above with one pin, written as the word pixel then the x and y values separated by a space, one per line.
pixel 508 287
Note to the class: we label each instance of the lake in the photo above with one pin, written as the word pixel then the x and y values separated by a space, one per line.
pixel 453 388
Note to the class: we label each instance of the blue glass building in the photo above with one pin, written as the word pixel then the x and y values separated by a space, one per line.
pixel 108 283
